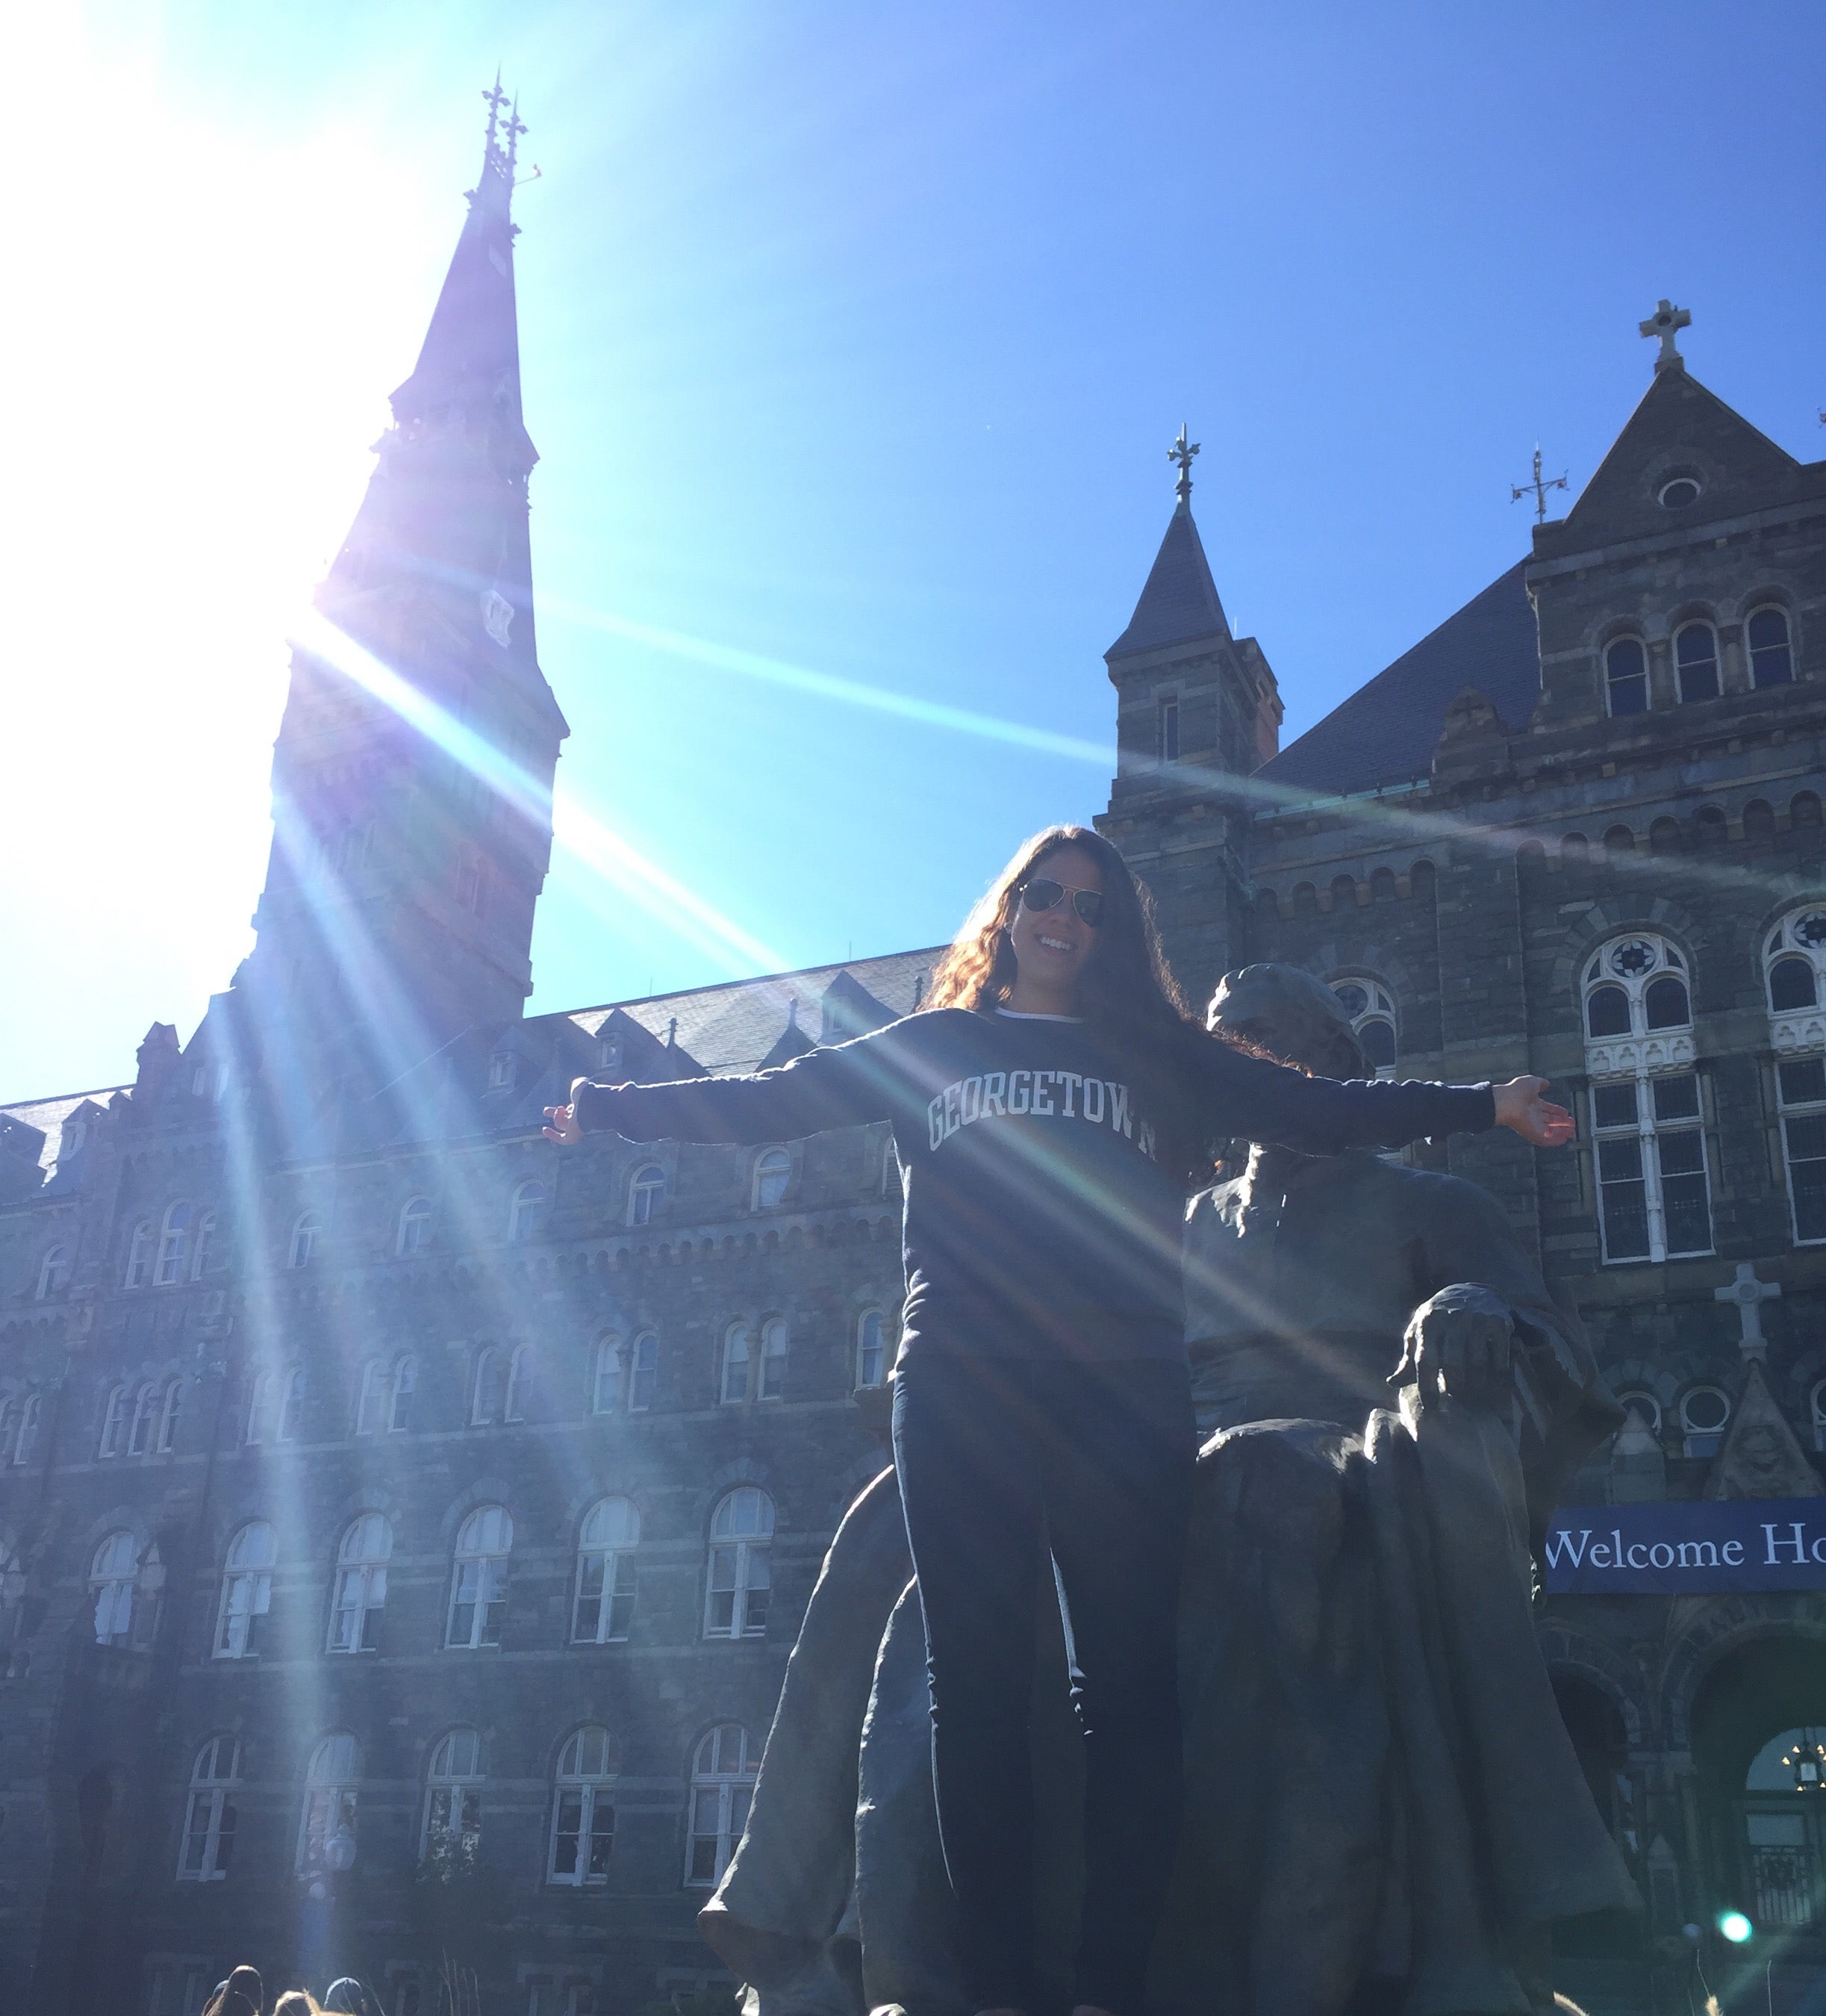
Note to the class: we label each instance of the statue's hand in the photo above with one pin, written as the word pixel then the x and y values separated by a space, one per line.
pixel 1465 1352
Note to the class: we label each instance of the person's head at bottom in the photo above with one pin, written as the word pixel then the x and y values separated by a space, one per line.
pixel 242 1994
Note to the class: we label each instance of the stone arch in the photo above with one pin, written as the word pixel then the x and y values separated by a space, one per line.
pixel 1759 820
pixel 1575 850
pixel 1343 892
pixel 1623 913
pixel 1571 1654
pixel 1804 809
pixel 1620 841
pixel 1383 885
pixel 1664 837
pixel 1728 1625
pixel 1711 827
pixel 1305 900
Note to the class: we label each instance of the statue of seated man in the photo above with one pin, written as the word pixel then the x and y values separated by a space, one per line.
pixel 1383 1811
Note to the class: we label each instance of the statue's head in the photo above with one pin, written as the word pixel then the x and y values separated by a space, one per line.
pixel 1291 1014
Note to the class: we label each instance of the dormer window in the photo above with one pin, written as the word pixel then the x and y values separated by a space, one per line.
pixel 502 1067
pixel 608 1052
pixel 1678 493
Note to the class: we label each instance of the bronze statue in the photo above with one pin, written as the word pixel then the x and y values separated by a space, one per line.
pixel 1384 1811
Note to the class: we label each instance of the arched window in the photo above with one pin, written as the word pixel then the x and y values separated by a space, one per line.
pixel 246 1591
pixel 1794 963
pixel 326 1835
pixel 1636 986
pixel 773 1170
pixel 1705 1410
pixel 306 1233
pixel 1771 653
pixel 371 1404
pixel 1625 677
pixel 415 1229
pixel 203 1247
pixel 520 1374
pixel 170 1408
pixel 113 1580
pixel 722 1782
pixel 607 1380
pixel 583 1813
pixel 146 1417
pixel 1371 1010
pixel 739 1582
pixel 1639 1400
pixel 405 1384
pixel 114 1417
pixel 604 1604
pixel 1794 959
pixel 525 1217
pixel 478 1583
pixel 139 1255
pixel 771 1380
pixel 451 1838
pixel 54 1273
pixel 1696 662
pixel 30 1411
pixel 360 1585
pixel 209 1819
pixel 646 1193
pixel 488 1395
pixel 872 1351
pixel 261 1391
pixel 174 1245
pixel 737 1352
pixel 643 1373
pixel 292 1404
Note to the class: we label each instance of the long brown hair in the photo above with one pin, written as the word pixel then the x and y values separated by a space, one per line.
pixel 1127 990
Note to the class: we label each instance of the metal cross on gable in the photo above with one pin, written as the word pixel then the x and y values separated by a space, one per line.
pixel 1182 451
pixel 1750 1294
pixel 1539 487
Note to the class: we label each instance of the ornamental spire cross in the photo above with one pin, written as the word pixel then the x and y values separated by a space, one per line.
pixel 1539 487
pixel 1750 1294
pixel 494 99
pixel 1665 322
pixel 1182 451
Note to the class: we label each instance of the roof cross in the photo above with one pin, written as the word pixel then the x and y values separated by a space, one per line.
pixel 494 99
pixel 1750 1294
pixel 1182 451
pixel 1664 322
pixel 1518 491
pixel 515 128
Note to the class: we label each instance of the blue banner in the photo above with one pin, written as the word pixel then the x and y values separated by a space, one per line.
pixel 1687 1550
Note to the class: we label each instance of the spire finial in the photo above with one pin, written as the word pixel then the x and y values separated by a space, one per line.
pixel 1538 487
pixel 1664 321
pixel 515 127
pixel 1182 451
pixel 494 98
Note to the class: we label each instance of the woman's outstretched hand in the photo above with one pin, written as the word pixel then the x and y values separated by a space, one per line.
pixel 1521 1106
pixel 561 1123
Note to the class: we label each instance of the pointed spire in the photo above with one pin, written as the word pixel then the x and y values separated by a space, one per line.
pixel 1179 600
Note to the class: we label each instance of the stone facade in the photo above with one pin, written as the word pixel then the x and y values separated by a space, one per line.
pixel 313 1299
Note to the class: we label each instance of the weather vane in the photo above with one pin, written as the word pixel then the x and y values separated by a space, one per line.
pixel 1538 487
pixel 1182 451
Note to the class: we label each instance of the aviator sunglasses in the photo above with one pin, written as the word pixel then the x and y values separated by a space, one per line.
pixel 1042 893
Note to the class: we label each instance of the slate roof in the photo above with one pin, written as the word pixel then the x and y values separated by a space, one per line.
pixel 1386 731
pixel 1179 598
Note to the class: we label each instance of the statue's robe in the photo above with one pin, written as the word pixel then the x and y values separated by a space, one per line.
pixel 1383 1809
pixel 1380 1788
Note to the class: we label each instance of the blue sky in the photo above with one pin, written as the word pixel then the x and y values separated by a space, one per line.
pixel 853 339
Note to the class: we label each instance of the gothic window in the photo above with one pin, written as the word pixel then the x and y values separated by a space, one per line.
pixel 583 1811
pixel 1794 958
pixel 415 1230
pixel 246 1591
pixel 478 1583
pixel 643 1373
pixel 210 1817
pixel 490 1395
pixel 451 1838
pixel 773 1169
pixel 604 1603
pixel 360 1585
pixel 722 1782
pixel 261 1391
pixel 871 1353
pixel 1625 677
pixel 146 1415
pixel 114 1582
pixel 291 1405
pixel 1696 662
pixel 1371 1010
pixel 1704 1412
pixel 1636 986
pixel 326 1833
pixel 646 1193
pixel 740 1581
pixel 520 1373
pixel 607 1375
pixel 1169 723
pixel 371 1404
pixel 305 1235
pixel 114 1418
pixel 405 1384
pixel 54 1273
pixel 202 1255
pixel 1801 1088
pixel 771 1380
pixel 174 1245
pixel 139 1255
pixel 525 1217
pixel 1654 1201
pixel 1771 653
pixel 169 1408
pixel 737 1352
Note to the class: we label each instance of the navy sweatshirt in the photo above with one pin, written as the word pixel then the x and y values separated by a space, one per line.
pixel 1045 1183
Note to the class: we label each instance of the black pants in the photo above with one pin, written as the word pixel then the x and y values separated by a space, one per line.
pixel 999 1460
